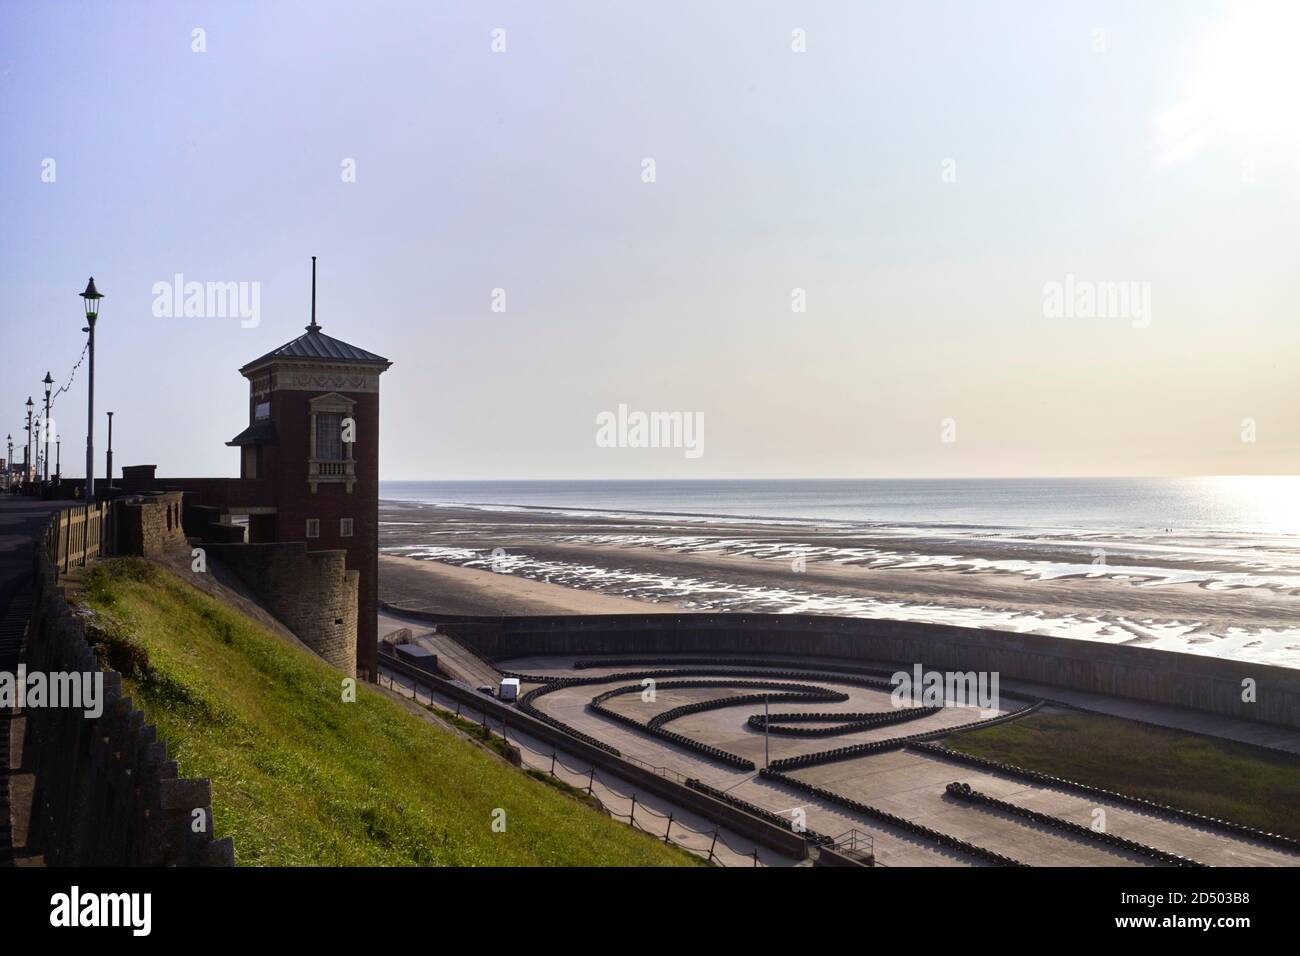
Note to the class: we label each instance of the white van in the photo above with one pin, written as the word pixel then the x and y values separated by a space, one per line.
pixel 509 689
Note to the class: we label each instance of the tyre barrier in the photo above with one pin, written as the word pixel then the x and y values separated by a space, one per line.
pixel 667 678
pixel 707 671
pixel 878 677
pixel 1140 803
pixel 550 684
pixel 812 836
pixel 902 823
pixel 850 723
pixel 964 791
pixel 701 706
pixel 654 726
pixel 804 691
pixel 681 740
pixel 525 705
pixel 890 743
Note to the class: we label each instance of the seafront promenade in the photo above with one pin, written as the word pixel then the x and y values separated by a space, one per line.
pixel 21 520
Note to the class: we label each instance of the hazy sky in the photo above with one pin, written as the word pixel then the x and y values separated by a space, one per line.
pixel 923 171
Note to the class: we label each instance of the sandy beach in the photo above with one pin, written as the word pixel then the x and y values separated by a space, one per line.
pixel 1234 601
pixel 421 585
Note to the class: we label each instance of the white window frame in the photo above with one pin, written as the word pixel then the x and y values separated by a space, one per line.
pixel 345 527
pixel 313 527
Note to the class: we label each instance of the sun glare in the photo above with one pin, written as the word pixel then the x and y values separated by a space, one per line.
pixel 1242 87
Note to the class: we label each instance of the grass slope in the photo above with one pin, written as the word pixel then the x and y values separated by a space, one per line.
pixel 301 778
pixel 1221 778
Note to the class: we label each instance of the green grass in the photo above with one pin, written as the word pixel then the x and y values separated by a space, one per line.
pixel 1220 778
pixel 576 793
pixel 300 777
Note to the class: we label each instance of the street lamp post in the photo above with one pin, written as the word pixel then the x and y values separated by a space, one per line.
pixel 58 459
pixel 91 299
pixel 9 462
pixel 109 476
pixel 48 381
pixel 27 450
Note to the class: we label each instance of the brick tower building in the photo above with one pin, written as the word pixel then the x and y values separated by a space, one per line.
pixel 312 446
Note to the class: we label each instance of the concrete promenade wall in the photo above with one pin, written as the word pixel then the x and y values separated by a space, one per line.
pixel 1194 681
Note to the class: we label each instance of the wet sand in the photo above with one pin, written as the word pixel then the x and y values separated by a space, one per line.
pixel 1146 592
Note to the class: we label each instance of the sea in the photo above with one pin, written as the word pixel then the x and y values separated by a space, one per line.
pixel 1267 505
pixel 1225 549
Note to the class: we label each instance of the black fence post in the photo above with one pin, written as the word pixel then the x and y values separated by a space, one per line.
pixel 713 844
pixel 668 832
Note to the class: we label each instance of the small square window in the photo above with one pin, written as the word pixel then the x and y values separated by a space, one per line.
pixel 345 527
pixel 313 527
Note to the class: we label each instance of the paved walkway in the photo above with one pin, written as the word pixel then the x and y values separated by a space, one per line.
pixel 452 656
pixel 21 519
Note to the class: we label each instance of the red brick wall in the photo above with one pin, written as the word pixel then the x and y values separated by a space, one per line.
pixel 286 466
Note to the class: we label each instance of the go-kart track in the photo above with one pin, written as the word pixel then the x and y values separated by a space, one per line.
pixel 864 765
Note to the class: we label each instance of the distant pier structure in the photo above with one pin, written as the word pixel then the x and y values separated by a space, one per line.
pixel 309 486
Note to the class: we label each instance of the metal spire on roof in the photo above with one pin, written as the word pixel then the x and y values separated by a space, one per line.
pixel 313 327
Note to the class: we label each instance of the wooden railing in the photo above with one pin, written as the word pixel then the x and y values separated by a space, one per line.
pixel 75 535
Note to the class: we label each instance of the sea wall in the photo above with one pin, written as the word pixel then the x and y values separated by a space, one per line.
pixel 311 592
pixel 1199 682
pixel 105 792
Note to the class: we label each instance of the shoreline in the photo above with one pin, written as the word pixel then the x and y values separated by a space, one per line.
pixel 420 585
pixel 721 520
pixel 1200 602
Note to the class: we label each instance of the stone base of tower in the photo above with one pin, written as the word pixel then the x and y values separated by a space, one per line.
pixel 311 592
